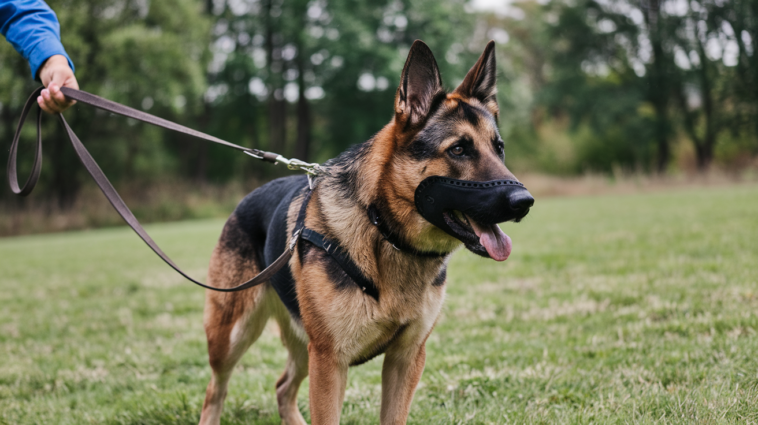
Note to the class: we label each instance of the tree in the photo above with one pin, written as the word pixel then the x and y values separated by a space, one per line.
pixel 639 71
pixel 717 88
pixel 581 58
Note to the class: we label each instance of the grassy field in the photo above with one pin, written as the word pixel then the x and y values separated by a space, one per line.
pixel 612 309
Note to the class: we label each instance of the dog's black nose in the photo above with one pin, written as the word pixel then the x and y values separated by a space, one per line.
pixel 520 200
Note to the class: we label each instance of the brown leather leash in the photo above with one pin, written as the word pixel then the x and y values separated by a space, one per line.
pixel 110 192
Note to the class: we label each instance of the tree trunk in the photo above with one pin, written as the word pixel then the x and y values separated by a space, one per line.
pixel 251 173
pixel 659 97
pixel 277 107
pixel 661 139
pixel 704 151
pixel 279 122
pixel 201 166
pixel 302 145
pixel 65 171
pixel 200 173
pixel 658 93
pixel 689 121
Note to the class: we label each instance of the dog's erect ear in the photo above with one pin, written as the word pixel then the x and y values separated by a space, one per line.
pixel 481 81
pixel 419 84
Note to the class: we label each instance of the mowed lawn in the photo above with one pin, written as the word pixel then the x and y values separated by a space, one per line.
pixel 612 309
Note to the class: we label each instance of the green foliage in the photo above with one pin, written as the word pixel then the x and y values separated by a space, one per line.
pixel 614 84
pixel 638 77
pixel 259 57
pixel 611 309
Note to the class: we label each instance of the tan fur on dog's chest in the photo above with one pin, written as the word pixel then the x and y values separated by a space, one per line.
pixel 355 324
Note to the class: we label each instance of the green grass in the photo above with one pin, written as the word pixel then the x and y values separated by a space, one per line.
pixel 613 309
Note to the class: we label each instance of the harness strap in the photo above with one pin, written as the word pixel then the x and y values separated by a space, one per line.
pixel 343 259
pixel 107 188
pixel 300 223
pixel 335 251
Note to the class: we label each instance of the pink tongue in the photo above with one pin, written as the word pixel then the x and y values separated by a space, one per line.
pixel 497 243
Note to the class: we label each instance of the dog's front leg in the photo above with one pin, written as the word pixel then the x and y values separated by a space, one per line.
pixel 328 378
pixel 401 372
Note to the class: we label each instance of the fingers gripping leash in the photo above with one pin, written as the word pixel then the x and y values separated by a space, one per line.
pixel 313 170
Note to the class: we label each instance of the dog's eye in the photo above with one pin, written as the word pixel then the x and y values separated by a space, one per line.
pixel 457 150
pixel 500 147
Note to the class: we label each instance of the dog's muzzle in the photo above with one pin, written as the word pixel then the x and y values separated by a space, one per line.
pixel 466 209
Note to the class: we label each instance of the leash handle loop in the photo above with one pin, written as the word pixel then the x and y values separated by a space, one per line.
pixel 31 181
pixel 105 185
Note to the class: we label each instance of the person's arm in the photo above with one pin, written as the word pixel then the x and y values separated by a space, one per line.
pixel 33 30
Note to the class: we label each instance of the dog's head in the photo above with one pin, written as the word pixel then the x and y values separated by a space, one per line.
pixel 447 179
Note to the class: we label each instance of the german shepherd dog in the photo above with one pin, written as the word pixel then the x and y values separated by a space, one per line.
pixel 329 320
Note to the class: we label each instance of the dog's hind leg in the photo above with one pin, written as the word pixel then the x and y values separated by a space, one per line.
pixel 233 321
pixel 294 373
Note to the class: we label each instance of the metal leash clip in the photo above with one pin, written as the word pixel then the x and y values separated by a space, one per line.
pixel 295 164
pixel 311 168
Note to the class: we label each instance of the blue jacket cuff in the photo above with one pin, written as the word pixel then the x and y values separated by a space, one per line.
pixel 42 51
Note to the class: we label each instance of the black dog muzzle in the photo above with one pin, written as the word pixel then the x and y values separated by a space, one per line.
pixel 486 203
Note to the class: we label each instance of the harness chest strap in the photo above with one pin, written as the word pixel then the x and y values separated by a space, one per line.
pixel 334 250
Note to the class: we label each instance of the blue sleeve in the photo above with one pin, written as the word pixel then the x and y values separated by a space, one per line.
pixel 33 30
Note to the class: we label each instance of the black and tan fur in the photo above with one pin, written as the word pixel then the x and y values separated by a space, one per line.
pixel 329 323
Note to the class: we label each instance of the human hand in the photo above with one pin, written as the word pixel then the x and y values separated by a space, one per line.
pixel 54 74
